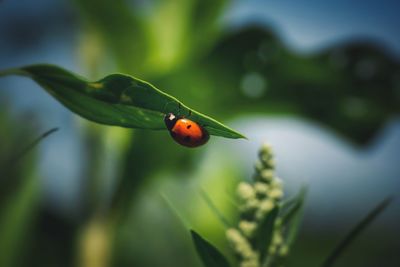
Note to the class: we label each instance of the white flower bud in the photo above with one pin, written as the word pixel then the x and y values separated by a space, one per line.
pixel 270 163
pixel 284 251
pixel 272 250
pixel 257 201
pixel 259 166
pixel 250 205
pixel 277 183
pixel 261 188
pixel 264 207
pixel 266 146
pixel 248 228
pixel 245 191
pixel 278 222
pixel 275 193
pixel 266 150
pixel 240 244
pixel 277 238
pixel 267 175
pixel 250 263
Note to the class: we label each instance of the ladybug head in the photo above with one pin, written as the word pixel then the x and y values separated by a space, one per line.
pixel 170 120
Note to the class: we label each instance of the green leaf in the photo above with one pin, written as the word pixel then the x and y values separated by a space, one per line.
pixel 120 31
pixel 355 232
pixel 303 85
pixel 17 216
pixel 117 99
pixel 19 199
pixel 265 232
pixel 209 254
pixel 292 215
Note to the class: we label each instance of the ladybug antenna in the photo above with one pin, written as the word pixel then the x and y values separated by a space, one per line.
pixel 165 107
pixel 179 109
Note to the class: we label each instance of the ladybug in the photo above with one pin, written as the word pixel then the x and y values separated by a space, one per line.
pixel 186 132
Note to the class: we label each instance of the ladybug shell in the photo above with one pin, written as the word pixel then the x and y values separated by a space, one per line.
pixel 186 132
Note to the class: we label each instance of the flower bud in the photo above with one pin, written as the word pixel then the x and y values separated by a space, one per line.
pixel 245 191
pixel 248 228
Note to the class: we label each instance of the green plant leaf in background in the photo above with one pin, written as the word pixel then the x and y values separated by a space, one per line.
pixel 117 99
pixel 209 254
pixel 265 233
pixel 11 162
pixel 325 87
pixel 355 232
pixel 19 199
pixel 135 40
pixel 292 214
pixel 8 165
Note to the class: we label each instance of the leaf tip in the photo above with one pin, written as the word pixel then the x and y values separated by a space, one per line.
pixel 239 136
pixel 194 234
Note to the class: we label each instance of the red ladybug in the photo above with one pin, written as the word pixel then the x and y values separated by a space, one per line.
pixel 186 132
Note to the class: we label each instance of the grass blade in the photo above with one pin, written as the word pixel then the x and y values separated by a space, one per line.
pixel 17 157
pixel 293 217
pixel 214 209
pixel 356 231
pixel 292 207
pixel 176 211
pixel 29 147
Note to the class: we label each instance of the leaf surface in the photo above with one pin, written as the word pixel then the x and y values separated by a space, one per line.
pixel 117 99
pixel 209 254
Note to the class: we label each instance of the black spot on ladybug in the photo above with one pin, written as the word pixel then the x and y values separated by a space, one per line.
pixel 187 138
pixel 188 127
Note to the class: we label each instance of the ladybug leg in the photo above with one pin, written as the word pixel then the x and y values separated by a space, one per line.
pixel 190 113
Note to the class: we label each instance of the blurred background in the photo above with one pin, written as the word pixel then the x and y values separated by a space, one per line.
pixel 319 81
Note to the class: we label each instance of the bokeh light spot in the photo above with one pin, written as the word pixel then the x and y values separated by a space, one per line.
pixel 355 107
pixel 253 85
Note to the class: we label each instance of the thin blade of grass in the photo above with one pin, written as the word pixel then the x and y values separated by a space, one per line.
pixel 293 206
pixel 16 158
pixel 355 232
pixel 214 209
pixel 175 211
pixel 293 219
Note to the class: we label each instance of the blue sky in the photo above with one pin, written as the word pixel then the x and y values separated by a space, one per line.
pixel 311 25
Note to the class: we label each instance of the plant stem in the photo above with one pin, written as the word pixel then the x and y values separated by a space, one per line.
pixel 351 236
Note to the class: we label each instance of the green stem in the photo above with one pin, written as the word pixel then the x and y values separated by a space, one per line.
pixel 351 236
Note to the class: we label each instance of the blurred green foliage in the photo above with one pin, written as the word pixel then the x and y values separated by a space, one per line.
pixel 19 190
pixel 181 46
